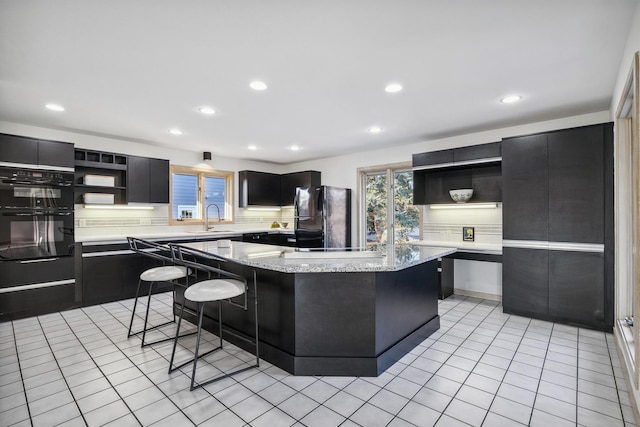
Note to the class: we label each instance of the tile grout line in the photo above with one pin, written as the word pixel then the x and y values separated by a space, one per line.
pixel 483 353
pixel 99 368
pixel 129 359
pixel 24 388
pixel 546 353
pixel 458 347
pixel 44 333
pixel 181 371
pixel 615 381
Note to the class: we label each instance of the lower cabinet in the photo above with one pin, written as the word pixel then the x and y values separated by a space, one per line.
pixel 555 285
pixel 525 281
pixel 576 290
pixel 32 288
pixel 108 277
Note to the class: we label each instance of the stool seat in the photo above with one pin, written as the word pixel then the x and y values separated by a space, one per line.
pixel 163 274
pixel 214 290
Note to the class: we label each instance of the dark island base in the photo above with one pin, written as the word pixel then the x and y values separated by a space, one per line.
pixel 332 366
pixel 338 324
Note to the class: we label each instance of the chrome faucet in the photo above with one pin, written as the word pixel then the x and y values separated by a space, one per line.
pixel 206 216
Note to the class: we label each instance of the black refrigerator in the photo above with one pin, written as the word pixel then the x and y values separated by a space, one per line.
pixel 322 217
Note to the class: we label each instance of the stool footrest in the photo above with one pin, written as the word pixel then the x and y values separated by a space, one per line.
pixel 183 364
pixel 221 377
pixel 152 327
pixel 168 339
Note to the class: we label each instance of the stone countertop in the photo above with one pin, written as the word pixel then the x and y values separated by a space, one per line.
pixel 223 233
pixel 271 257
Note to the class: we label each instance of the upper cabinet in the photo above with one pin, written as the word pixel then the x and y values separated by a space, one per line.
pixel 120 178
pixel 473 154
pixel 554 185
pixel 290 181
pixel 270 189
pixel 477 167
pixel 258 188
pixel 35 153
pixel 147 180
pixel 102 173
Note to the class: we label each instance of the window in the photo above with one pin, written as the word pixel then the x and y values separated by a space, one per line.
pixel 389 195
pixel 194 190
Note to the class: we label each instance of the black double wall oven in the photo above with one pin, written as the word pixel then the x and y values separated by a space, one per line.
pixel 36 214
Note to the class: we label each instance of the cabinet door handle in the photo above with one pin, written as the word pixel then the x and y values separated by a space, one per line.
pixel 31 261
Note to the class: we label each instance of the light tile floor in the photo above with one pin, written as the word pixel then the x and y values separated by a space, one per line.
pixel 482 367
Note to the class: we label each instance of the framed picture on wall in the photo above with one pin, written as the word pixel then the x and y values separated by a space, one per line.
pixel 468 234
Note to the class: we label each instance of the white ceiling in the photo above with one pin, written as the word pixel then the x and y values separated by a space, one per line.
pixel 135 69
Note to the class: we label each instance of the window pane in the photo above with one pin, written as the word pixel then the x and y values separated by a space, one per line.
pixel 376 203
pixel 214 193
pixel 407 216
pixel 184 193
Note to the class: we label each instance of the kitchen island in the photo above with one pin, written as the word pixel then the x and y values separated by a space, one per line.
pixel 340 313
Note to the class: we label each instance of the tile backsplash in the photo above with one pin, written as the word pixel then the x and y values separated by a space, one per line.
pixel 445 225
pixel 159 216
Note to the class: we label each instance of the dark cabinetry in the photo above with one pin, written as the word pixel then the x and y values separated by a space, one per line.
pixel 32 288
pixel 56 154
pixel 576 193
pixel 557 233
pixel 100 164
pixel 476 167
pixel 270 189
pixel 525 188
pixel 525 281
pixel 432 185
pixel 258 188
pixel 135 179
pixel 459 156
pixel 290 181
pixel 147 180
pixel 107 277
pixel 33 152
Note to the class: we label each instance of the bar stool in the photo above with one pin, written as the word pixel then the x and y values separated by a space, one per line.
pixel 155 276
pixel 222 288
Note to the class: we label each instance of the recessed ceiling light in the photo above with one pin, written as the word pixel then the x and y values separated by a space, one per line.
pixel 511 99
pixel 207 110
pixel 175 131
pixel 294 148
pixel 258 85
pixel 375 129
pixel 252 147
pixel 54 107
pixel 393 87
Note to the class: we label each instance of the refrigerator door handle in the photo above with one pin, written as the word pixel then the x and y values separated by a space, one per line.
pixel 320 199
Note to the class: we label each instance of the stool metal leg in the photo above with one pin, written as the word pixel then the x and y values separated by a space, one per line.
pixel 220 322
pixel 133 312
pixel 146 316
pixel 195 357
pixel 175 341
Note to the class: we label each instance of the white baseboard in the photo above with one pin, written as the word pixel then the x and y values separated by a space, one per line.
pixel 480 295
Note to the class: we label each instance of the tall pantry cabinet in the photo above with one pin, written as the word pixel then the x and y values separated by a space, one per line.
pixel 558 226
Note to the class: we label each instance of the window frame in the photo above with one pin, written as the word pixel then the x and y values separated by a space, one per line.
pixel 389 170
pixel 201 174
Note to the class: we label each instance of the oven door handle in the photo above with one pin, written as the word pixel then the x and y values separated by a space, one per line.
pixel 39 213
pixel 31 261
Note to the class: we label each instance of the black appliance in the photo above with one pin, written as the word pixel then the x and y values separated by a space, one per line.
pixel 36 214
pixel 322 217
